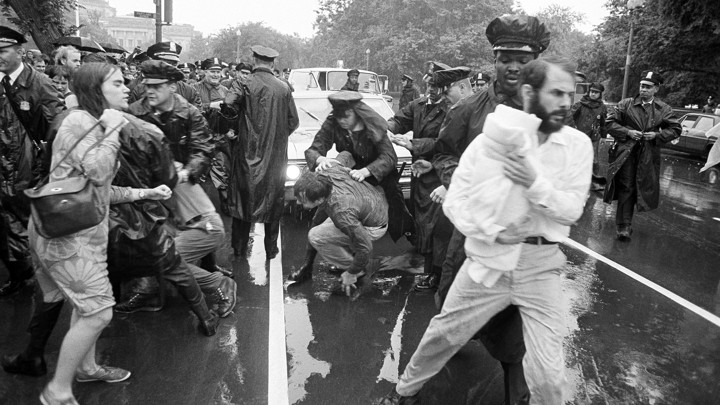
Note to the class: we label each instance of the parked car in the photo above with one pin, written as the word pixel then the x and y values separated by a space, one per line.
pixel 313 108
pixel 694 138
pixel 333 79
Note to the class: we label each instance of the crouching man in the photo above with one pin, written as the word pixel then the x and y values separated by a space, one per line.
pixel 350 216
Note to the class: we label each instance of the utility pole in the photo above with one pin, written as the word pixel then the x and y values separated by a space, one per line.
pixel 367 59
pixel 158 21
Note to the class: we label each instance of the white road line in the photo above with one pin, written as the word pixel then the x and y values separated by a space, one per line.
pixel 277 351
pixel 709 316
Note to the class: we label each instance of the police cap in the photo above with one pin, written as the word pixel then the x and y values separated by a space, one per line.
pixel 445 78
pixel 353 72
pixel 165 51
pixel 408 78
pixel 264 53
pixel 188 66
pixel 10 37
pixel 244 66
pixel 651 77
pixel 157 71
pixel 212 63
pixel 518 33
pixel 344 98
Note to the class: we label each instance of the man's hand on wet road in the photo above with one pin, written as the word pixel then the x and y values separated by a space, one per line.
pixel 420 167
pixel 360 175
pixel 519 170
pixel 438 195
pixel 348 282
pixel 324 163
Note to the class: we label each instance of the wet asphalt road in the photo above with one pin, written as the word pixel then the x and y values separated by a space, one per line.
pixel 625 343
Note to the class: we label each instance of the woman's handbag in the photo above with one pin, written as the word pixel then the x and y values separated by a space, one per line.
pixel 64 207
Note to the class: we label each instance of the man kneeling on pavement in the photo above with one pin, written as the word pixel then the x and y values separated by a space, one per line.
pixel 350 216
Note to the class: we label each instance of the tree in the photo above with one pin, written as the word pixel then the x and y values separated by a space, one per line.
pixel 94 29
pixel 44 20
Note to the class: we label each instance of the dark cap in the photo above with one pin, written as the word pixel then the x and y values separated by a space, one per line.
pixel 445 78
pixel 165 51
pixel 189 66
pixel 264 53
pixel 212 63
pixel 353 72
pixel 580 76
pixel 157 71
pixel 10 37
pixel 406 77
pixel 431 67
pixel 344 99
pixel 244 66
pixel 597 86
pixel 652 77
pixel 286 70
pixel 480 77
pixel 518 33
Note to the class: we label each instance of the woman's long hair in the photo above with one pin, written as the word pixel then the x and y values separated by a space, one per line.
pixel 87 86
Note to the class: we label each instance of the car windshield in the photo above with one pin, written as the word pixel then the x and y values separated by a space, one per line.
pixel 705 123
pixel 367 82
pixel 313 111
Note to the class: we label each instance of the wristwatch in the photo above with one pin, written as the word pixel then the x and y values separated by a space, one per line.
pixel 141 195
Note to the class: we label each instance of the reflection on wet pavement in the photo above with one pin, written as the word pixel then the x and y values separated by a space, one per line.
pixel 391 364
pixel 301 365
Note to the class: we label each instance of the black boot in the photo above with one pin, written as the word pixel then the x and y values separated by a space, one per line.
pixel 209 320
pixel 304 273
pixel 31 361
pixel 272 230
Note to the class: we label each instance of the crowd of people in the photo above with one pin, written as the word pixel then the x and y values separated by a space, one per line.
pixel 152 135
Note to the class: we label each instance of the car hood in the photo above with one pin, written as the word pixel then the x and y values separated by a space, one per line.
pixel 300 140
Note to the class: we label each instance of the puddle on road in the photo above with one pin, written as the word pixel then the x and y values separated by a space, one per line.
pixel 301 365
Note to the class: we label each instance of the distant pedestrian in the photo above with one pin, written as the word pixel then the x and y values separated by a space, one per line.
pixel 589 115
pixel 410 91
pixel 639 125
pixel 711 105
pixel 267 117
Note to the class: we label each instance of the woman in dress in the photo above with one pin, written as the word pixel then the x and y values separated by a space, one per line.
pixel 74 267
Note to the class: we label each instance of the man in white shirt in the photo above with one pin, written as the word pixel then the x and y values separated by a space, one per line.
pixel 556 190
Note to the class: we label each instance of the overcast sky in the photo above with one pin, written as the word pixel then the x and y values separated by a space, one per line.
pixel 298 16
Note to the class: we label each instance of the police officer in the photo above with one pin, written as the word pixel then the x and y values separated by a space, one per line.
pixel 168 52
pixel 479 82
pixel 352 80
pixel 267 117
pixel 28 104
pixel 639 126
pixel 410 91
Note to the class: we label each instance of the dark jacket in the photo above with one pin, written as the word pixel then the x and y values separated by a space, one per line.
pixel 628 115
pixel 352 206
pixel 465 121
pixel 424 120
pixel 409 93
pixel 25 119
pixel 589 117
pixel 266 118
pixel 350 86
pixel 187 132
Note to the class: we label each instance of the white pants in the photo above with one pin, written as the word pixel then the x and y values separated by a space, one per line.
pixel 334 246
pixel 535 288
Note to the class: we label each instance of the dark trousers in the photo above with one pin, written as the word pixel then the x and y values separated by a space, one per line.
pixel 502 336
pixel 241 234
pixel 626 189
pixel 14 245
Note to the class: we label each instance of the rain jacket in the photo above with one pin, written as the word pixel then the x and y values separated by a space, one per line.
pixel 424 120
pixel 187 132
pixel 409 93
pixel 628 115
pixel 588 116
pixel 267 117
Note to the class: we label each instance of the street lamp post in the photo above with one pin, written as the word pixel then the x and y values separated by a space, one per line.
pixel 367 59
pixel 631 5
pixel 237 49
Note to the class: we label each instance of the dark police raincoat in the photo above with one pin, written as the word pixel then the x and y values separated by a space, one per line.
pixel 267 117
pixel 630 114
pixel 425 120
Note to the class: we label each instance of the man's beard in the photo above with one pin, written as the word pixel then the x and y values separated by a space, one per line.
pixel 547 126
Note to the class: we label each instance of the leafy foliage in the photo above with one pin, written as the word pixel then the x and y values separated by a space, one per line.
pixel 43 19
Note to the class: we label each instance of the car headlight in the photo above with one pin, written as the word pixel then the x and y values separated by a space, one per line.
pixel 293 172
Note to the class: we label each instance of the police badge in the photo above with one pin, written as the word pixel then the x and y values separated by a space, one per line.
pixel 24 106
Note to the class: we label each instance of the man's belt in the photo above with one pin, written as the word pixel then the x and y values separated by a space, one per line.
pixel 538 240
